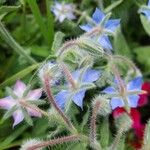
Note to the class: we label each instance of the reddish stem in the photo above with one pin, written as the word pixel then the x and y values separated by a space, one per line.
pixel 54 142
pixel 93 122
pixel 53 102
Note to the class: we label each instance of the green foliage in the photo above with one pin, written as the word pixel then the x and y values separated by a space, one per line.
pixel 30 36
pixel 145 23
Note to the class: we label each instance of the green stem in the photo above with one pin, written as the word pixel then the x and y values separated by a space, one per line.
pixel 13 44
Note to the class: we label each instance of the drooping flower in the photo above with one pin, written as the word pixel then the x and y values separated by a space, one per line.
pixel 63 11
pixel 19 92
pixel 52 70
pixel 110 26
pixel 132 87
pixel 83 82
pixel 146 10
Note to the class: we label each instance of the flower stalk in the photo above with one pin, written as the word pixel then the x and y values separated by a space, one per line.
pixel 52 101
pixel 54 142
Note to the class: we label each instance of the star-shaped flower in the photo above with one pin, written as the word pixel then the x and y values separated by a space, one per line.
pixel 63 11
pixel 146 10
pixel 19 92
pixel 132 88
pixel 83 81
pixel 108 26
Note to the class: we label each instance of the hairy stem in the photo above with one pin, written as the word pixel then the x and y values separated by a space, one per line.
pixel 54 142
pixel 117 139
pixel 13 44
pixel 93 122
pixel 68 75
pixel 52 101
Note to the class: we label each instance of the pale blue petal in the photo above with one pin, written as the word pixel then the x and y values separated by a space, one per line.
pixel 98 15
pixel 90 75
pixel 61 98
pixel 112 24
pixel 76 74
pixel 109 90
pixel 104 42
pixel 116 102
pixel 78 98
pixel 146 12
pixel 148 3
pixel 133 100
pixel 135 84
pixel 86 27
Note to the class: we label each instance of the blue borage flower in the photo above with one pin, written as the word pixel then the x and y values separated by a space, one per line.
pixel 134 85
pixel 146 10
pixel 109 26
pixel 81 78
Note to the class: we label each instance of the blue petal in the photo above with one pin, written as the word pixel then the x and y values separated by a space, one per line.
pixel 112 24
pixel 104 42
pixel 116 102
pixel 90 75
pixel 76 74
pixel 78 98
pixel 86 27
pixel 146 12
pixel 61 98
pixel 135 84
pixel 133 100
pixel 98 15
pixel 148 3
pixel 109 90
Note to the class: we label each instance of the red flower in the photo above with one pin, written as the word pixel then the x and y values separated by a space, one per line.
pixel 144 97
pixel 136 116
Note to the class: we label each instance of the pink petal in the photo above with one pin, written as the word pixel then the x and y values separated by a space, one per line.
pixel 34 94
pixel 19 88
pixel 33 112
pixel 7 102
pixel 18 117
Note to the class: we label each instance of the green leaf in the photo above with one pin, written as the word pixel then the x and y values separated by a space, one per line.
pixel 46 29
pixel 58 38
pixel 41 51
pixel 112 6
pixel 9 112
pixel 17 132
pixel 104 133
pixel 120 45
pixel 145 23
pixel 4 10
pixel 143 54
pixel 13 44
pixel 19 75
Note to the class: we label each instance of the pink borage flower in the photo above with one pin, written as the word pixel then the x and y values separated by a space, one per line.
pixel 21 94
